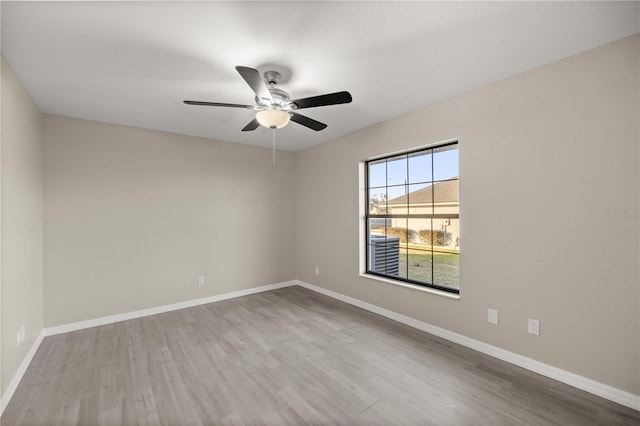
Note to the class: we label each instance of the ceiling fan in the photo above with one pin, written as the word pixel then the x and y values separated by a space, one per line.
pixel 274 106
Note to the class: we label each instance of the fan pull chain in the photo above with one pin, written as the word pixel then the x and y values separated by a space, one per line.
pixel 273 146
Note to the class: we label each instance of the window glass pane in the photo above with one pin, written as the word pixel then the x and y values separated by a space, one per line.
pixel 443 237
pixel 420 199
pixel 446 192
pixel 424 229
pixel 453 229
pixel 384 256
pixel 397 241
pixel 397 170
pixel 376 228
pixel 402 262
pixel 378 201
pixel 420 167
pixel 446 268
pixel 445 162
pixel 419 232
pixel 392 266
pixel 377 173
pixel 397 203
pixel 419 251
pixel 419 268
pixel 377 246
pixel 377 258
pixel 446 197
pixel 398 229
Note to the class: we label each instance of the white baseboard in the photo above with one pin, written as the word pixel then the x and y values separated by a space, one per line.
pixel 17 377
pixel 600 389
pixel 65 328
pixel 608 392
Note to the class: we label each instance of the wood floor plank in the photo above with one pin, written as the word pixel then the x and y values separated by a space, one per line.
pixel 285 357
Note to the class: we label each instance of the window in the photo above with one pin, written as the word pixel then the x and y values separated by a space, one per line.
pixel 412 217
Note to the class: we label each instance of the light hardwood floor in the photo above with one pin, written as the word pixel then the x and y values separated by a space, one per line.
pixel 289 356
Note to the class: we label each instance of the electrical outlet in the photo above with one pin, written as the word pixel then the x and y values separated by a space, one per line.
pixel 317 270
pixel 492 316
pixel 200 280
pixel 534 327
pixel 18 338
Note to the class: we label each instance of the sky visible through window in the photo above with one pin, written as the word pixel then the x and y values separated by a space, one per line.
pixel 401 176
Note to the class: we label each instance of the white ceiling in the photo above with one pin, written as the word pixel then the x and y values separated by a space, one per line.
pixel 133 63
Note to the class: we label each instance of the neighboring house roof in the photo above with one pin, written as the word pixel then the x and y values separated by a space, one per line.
pixel 443 192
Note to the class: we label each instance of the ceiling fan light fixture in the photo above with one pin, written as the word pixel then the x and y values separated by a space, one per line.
pixel 274 107
pixel 273 118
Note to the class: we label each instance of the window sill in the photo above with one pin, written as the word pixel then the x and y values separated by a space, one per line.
pixel 412 287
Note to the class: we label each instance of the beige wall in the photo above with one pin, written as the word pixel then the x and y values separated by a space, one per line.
pixel 133 217
pixel 21 229
pixel 542 156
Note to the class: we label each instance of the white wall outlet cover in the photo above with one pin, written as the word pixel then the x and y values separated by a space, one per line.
pixel 533 327
pixel 492 316
pixel 200 280
pixel 317 270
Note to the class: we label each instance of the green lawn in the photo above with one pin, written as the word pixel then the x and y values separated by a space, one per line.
pixel 445 267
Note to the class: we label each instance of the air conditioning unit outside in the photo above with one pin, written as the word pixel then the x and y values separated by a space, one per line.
pixel 384 255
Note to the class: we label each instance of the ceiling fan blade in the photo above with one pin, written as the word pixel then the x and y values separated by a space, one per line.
pixel 256 82
pixel 253 124
pixel 322 100
pixel 307 122
pixel 219 104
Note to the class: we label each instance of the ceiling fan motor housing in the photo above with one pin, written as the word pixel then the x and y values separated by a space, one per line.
pixel 281 98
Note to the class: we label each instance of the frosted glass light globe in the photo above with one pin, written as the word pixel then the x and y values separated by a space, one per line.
pixel 272 118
